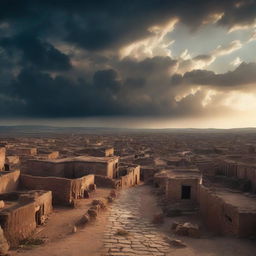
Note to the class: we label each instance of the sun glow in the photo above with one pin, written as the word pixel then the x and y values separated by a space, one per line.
pixel 154 45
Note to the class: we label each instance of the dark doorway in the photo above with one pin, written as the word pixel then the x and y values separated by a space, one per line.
pixel 6 167
pixel 39 214
pixel 185 192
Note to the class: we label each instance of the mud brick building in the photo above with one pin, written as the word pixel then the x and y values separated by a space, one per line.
pixel 74 167
pixel 47 154
pixel 182 185
pixel 70 172
pixel 226 212
pixel 243 171
pixel 22 151
pixel 22 212
pixel 64 190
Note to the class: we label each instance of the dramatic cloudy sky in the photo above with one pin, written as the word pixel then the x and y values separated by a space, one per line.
pixel 189 63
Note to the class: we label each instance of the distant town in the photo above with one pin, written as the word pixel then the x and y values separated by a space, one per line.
pixel 127 192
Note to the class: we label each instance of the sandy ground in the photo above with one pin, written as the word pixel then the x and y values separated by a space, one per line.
pixel 58 233
pixel 88 241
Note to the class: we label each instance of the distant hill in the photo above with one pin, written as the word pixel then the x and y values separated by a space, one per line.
pixel 40 129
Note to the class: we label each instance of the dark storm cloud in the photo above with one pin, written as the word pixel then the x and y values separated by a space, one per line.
pixel 46 96
pixel 149 91
pixel 96 24
pixel 241 13
pixel 110 92
pixel 37 77
pixel 36 52
pixel 244 74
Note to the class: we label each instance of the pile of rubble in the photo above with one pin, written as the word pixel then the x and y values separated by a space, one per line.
pixel 186 229
pixel 96 207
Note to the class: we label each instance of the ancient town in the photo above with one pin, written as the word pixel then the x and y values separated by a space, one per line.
pixel 128 194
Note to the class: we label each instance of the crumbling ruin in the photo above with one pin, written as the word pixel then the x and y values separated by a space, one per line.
pixel 22 212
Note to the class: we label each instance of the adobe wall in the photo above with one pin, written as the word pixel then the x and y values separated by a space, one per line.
pixel 147 174
pixel 103 181
pixel 111 169
pixel 241 171
pixel 132 178
pixel 73 169
pixel 79 185
pixel 19 223
pixel 101 152
pixel 46 200
pixel 174 189
pixel 9 181
pixel 220 217
pixel 93 168
pixel 249 173
pixel 247 224
pixel 45 169
pixel 160 182
pixel 60 187
pixel 12 160
pixel 53 155
pixel 109 152
pixel 63 190
pixel 2 158
pixel 136 175
pixel 26 151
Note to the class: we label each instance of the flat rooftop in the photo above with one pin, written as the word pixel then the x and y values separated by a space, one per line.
pixel 245 203
pixel 14 200
pixel 184 173
pixel 91 159
pixel 180 173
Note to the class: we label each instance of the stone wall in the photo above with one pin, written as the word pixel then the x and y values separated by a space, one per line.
pixel 9 181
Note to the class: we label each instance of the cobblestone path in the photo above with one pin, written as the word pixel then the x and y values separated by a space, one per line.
pixel 131 212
